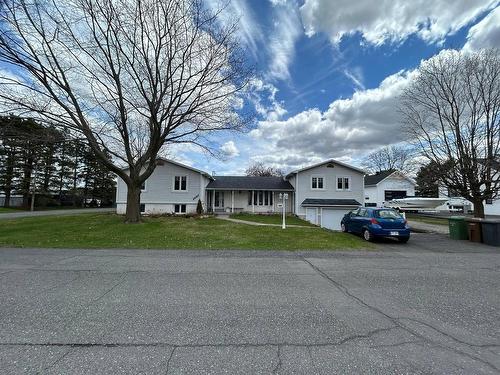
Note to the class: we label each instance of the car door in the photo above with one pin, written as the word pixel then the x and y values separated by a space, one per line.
pixel 364 218
pixel 354 222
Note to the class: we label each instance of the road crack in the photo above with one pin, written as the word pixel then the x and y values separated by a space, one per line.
pixel 397 320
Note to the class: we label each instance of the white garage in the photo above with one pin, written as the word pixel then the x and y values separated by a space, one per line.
pixel 331 217
pixel 328 212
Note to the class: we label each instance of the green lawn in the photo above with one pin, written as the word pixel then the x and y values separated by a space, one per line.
pixel 4 210
pixel 427 220
pixel 109 231
pixel 271 219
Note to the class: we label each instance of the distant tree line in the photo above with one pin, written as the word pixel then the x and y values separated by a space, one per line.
pixel 60 169
pixel 262 170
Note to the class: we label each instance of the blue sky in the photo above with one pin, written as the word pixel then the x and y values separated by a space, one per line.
pixel 328 73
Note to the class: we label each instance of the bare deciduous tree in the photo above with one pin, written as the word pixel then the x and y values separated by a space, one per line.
pixel 259 169
pixel 390 158
pixel 452 113
pixel 132 76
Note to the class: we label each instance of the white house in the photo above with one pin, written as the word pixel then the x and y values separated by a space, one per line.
pixel 321 193
pixel 384 186
pixel 324 192
pixel 172 188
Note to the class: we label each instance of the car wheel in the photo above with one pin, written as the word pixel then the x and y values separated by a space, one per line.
pixel 367 235
pixel 403 239
pixel 343 227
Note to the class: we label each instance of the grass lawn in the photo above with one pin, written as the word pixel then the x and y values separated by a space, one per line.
pixel 109 231
pixel 271 219
pixel 427 219
pixel 4 210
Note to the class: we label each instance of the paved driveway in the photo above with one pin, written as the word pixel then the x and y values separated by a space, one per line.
pixel 407 309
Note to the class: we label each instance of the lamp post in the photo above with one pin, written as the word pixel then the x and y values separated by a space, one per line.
pixel 283 198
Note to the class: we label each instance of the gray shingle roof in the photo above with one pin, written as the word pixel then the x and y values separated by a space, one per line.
pixel 249 183
pixel 330 202
pixel 374 179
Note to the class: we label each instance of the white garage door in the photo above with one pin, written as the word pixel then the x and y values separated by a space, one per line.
pixel 311 215
pixel 332 217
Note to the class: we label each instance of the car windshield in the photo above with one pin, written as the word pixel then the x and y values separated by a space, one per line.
pixel 387 214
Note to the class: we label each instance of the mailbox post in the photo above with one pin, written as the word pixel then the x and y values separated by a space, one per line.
pixel 283 198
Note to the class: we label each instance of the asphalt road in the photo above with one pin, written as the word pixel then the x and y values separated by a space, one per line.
pixel 430 307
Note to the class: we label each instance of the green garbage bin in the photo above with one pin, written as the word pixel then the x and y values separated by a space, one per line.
pixel 458 228
pixel 491 232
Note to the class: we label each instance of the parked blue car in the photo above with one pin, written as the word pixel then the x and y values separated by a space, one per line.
pixel 376 222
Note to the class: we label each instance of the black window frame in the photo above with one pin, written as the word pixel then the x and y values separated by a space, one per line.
pixel 341 180
pixel 178 208
pixel 180 183
pixel 347 183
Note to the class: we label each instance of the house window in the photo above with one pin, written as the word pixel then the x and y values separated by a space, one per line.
pixel 370 204
pixel 180 208
pixel 343 183
pixel 143 186
pixel 260 198
pixel 142 208
pixel 317 183
pixel 180 183
pixel 489 201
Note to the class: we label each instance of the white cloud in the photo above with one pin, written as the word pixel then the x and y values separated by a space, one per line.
pixel 229 149
pixel 390 20
pixel 486 33
pixel 287 29
pixel 249 29
pixel 348 128
pixel 263 97
pixel 356 76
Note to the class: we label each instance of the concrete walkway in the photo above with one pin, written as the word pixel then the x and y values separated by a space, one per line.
pixel 225 217
pixel 76 211
pixel 418 226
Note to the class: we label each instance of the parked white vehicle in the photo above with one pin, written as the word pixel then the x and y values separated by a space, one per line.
pixel 415 203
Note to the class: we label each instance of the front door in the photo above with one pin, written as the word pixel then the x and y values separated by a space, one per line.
pixel 219 199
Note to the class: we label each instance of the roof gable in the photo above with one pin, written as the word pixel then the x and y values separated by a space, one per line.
pixel 159 161
pixel 378 177
pixel 326 162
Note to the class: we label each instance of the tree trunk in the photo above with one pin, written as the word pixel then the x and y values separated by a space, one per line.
pixel 26 183
pixel 478 208
pixel 133 212
pixel 9 173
